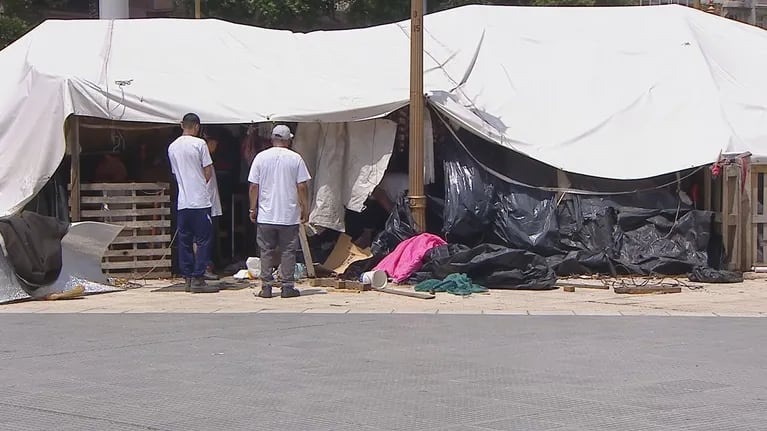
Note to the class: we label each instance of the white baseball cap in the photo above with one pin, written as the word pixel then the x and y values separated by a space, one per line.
pixel 282 132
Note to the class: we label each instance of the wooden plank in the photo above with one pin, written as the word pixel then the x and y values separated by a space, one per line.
pixel 323 282
pixel 142 224
pixel 708 203
pixel 760 221
pixel 139 275
pixel 138 252
pixel 419 295
pixel 747 244
pixel 126 213
pixel 98 187
pixel 142 239
pixel 642 290
pixel 164 263
pixel 125 199
pixel 600 286
pixel 308 261
pixel 74 175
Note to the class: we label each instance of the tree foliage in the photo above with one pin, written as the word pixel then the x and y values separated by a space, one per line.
pixel 11 28
pixel 300 15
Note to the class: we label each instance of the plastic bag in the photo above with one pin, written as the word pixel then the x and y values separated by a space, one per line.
pixel 708 275
pixel 499 267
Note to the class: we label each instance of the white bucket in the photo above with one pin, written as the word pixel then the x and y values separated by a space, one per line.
pixel 377 279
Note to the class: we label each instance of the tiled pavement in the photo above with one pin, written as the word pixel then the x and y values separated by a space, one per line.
pixel 747 299
pixel 381 372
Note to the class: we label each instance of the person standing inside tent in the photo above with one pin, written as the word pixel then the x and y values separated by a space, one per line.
pixel 278 203
pixel 215 207
pixel 192 166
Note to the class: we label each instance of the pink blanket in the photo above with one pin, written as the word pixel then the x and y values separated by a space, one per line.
pixel 407 258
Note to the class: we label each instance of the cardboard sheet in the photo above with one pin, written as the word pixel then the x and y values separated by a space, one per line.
pixel 344 254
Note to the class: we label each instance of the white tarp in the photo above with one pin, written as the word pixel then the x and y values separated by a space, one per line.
pixel 346 161
pixel 620 93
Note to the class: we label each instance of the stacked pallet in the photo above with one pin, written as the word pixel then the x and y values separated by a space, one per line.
pixel 142 250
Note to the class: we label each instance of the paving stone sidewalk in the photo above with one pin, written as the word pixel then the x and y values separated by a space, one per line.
pixel 748 299
pixel 299 372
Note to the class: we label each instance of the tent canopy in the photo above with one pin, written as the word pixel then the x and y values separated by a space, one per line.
pixel 621 93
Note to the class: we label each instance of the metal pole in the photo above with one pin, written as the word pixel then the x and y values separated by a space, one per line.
pixel 197 9
pixel 416 198
pixel 73 138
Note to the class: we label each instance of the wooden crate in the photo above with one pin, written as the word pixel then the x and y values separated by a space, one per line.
pixel 142 250
pixel 759 214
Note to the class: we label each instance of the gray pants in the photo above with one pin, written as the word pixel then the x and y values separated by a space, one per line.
pixel 278 245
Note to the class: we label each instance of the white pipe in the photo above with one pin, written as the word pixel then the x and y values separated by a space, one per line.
pixel 114 9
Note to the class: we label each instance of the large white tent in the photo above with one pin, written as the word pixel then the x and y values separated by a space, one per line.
pixel 622 93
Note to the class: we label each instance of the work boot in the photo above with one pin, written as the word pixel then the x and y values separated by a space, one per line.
pixel 209 276
pixel 200 286
pixel 187 285
pixel 289 292
pixel 266 292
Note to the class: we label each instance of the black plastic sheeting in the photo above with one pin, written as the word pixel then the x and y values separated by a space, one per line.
pixel 508 235
pixel 644 233
pixel 708 275
pixel 490 265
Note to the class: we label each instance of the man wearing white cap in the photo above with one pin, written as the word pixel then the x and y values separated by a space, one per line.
pixel 278 203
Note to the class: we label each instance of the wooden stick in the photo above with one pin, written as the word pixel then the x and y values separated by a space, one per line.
pixel 307 253
pixel 646 290
pixel 419 295
pixel 74 176
pixel 583 286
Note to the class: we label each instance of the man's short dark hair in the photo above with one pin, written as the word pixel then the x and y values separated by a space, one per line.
pixel 190 120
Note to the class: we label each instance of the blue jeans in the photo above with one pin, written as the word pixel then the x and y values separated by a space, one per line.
pixel 194 227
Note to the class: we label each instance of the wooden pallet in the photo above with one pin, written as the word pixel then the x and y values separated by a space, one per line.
pixel 142 250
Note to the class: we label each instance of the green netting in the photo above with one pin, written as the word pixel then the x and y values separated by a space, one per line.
pixel 457 284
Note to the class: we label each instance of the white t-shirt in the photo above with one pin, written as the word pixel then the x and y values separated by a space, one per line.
pixel 277 171
pixel 394 184
pixel 188 156
pixel 215 199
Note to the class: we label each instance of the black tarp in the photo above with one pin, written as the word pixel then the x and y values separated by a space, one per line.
pixel 649 232
pixel 511 235
pixel 33 244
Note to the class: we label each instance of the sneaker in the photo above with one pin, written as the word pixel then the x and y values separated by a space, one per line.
pixel 289 292
pixel 200 286
pixel 209 276
pixel 266 292
pixel 187 285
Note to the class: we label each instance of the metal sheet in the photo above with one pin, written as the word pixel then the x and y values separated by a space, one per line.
pixel 82 249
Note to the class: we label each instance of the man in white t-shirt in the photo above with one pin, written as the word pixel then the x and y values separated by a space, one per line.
pixel 278 203
pixel 215 207
pixel 192 166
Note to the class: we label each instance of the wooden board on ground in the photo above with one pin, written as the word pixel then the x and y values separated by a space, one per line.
pixel 566 285
pixel 643 290
pixel 323 282
pixel 419 295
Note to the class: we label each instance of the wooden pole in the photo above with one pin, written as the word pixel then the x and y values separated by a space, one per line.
pixel 197 9
pixel 417 198
pixel 74 178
